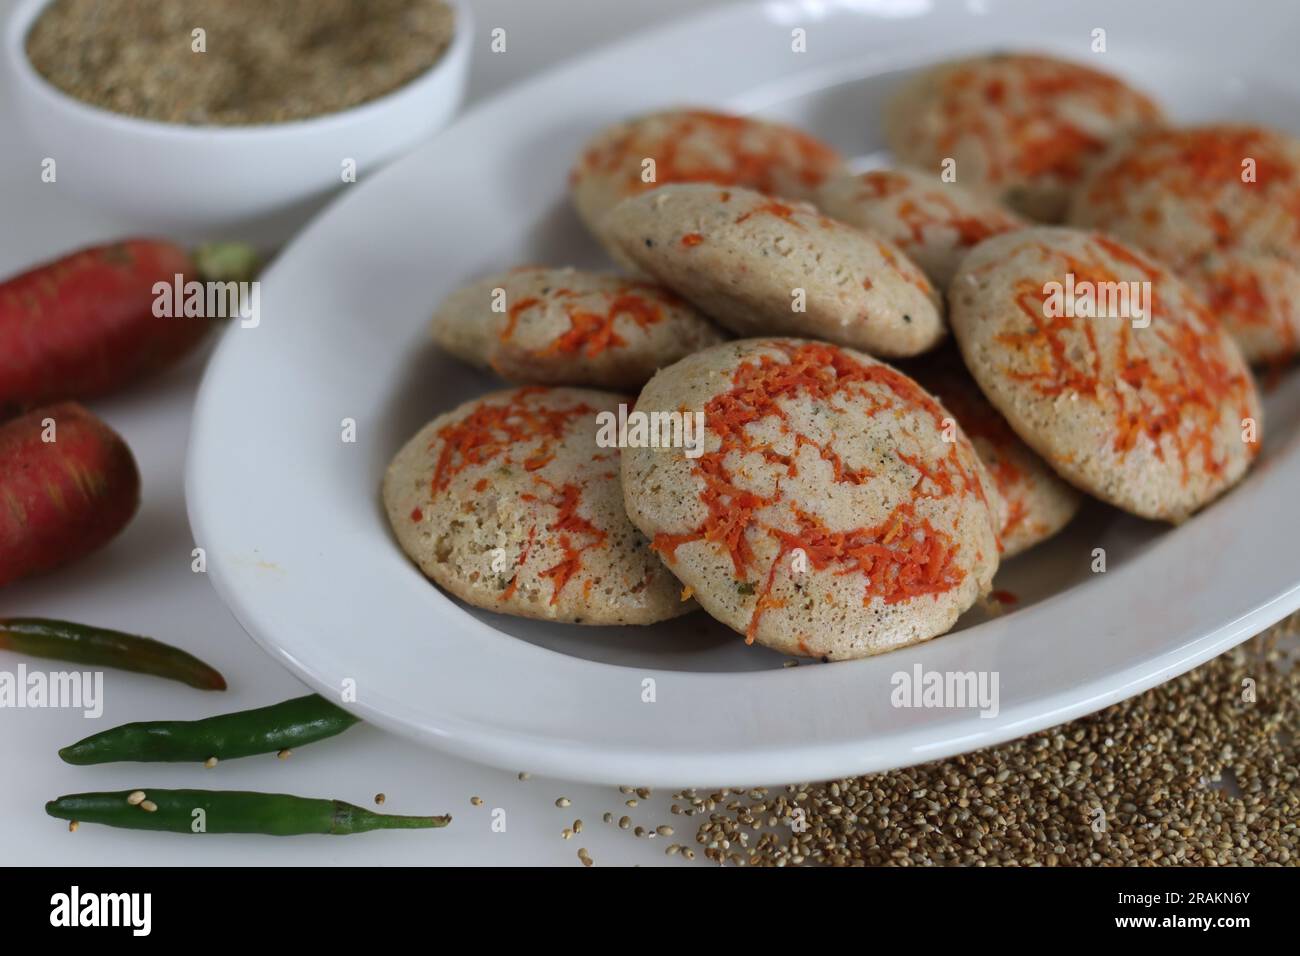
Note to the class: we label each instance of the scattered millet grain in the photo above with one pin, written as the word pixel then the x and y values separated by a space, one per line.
pixel 1136 784
pixel 72 826
pixel 210 763
pixel 584 856
pixel 476 801
pixel 135 797
pixel 285 754
pixel 563 802
pixel 577 826
pixel 524 775
pixel 380 798
pixel 148 806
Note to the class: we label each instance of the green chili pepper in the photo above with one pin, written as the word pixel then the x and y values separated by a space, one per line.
pixel 228 811
pixel 292 723
pixel 97 646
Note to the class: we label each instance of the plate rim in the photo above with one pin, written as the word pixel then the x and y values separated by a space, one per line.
pixel 580 760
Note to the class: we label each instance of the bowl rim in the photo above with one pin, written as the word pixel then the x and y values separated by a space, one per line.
pixel 453 60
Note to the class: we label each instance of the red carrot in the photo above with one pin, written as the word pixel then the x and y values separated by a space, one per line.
pixel 68 485
pixel 84 325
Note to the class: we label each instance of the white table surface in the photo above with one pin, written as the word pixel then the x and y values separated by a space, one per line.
pixel 143 583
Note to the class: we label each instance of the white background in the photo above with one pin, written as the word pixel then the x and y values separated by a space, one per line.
pixel 143 583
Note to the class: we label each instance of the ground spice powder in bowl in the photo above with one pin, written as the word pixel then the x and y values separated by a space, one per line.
pixel 254 61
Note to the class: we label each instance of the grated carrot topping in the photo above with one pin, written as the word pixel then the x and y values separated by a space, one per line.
pixel 513 313
pixel 567 522
pixel 771 208
pixel 1173 407
pixel 700 146
pixel 1038 136
pixel 592 333
pixel 901 558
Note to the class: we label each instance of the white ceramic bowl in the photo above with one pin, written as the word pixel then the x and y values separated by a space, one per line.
pixel 175 177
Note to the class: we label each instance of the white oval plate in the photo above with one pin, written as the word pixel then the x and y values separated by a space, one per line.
pixel 299 548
